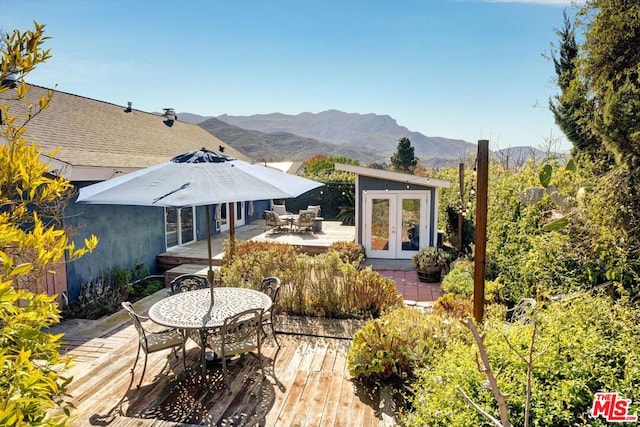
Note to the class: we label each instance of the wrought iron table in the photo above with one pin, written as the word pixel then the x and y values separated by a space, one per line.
pixel 192 311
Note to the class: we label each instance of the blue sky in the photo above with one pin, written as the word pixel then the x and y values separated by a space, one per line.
pixel 464 69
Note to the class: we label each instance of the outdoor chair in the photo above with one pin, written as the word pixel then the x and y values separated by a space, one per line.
pixel 240 335
pixel 188 282
pixel 315 209
pixel 151 342
pixel 274 221
pixel 271 287
pixel 305 221
pixel 279 209
pixel 523 311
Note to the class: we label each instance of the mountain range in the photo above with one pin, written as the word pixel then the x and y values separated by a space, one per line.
pixel 369 138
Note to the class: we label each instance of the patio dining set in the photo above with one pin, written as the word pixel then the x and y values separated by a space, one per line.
pixel 229 321
pixel 305 221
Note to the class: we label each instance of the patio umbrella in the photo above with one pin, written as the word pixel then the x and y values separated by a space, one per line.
pixel 198 178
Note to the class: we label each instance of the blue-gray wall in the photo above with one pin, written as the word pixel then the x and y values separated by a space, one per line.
pixel 127 234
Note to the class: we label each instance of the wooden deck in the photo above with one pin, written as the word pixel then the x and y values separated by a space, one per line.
pixel 307 382
pixel 311 243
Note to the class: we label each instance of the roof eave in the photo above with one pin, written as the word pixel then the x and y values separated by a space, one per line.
pixel 393 176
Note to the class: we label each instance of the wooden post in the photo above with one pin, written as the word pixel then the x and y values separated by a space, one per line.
pixel 462 207
pixel 481 230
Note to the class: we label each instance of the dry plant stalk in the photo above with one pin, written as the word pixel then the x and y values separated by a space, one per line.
pixel 486 368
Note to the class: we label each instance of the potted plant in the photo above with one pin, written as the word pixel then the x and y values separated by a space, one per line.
pixel 428 263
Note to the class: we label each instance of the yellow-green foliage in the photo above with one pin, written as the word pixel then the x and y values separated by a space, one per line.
pixel 31 382
pixel 582 346
pixel 454 306
pixel 349 251
pixel 254 261
pixel 323 285
pixel 459 280
pixel 394 346
pixel 31 241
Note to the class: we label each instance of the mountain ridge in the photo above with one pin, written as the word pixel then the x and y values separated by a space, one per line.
pixel 368 138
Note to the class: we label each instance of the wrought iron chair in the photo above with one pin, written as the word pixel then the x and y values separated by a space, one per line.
pixel 240 334
pixel 188 282
pixel 305 221
pixel 271 287
pixel 151 342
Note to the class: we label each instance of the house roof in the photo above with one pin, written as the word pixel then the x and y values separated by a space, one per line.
pixel 98 140
pixel 393 176
pixel 288 167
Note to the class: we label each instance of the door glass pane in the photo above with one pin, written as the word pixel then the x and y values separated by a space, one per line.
pixel 410 224
pixel 223 214
pixel 186 224
pixel 380 224
pixel 171 226
pixel 238 211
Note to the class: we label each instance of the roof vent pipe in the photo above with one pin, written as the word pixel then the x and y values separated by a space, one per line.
pixel 128 110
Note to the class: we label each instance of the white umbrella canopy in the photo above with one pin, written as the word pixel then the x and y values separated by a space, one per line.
pixel 197 178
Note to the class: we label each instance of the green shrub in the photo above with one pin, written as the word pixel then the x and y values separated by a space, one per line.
pixel 459 280
pixel 392 347
pixel 582 346
pixel 31 378
pixel 349 251
pixel 102 296
pixel 375 294
pixel 454 306
pixel 323 285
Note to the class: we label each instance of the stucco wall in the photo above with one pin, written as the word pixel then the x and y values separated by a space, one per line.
pixel 127 234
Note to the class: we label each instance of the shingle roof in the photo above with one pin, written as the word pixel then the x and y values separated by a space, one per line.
pixel 97 137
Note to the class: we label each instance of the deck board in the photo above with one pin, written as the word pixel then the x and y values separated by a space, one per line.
pixel 311 386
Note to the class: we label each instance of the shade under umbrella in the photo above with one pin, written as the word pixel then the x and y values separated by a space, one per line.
pixel 197 178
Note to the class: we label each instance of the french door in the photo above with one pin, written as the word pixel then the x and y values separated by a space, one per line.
pixel 395 224
pixel 179 226
pixel 222 215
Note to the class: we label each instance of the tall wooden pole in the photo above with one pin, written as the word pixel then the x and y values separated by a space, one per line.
pixel 481 230
pixel 462 207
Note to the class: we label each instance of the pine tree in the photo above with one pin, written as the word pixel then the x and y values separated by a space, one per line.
pixel 404 159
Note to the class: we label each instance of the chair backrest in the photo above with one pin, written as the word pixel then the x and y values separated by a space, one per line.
pixel 272 218
pixel 271 287
pixel 136 319
pixel 188 282
pixel 315 209
pixel 279 209
pixel 306 218
pixel 240 328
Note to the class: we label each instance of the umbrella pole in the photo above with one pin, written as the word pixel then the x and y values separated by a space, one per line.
pixel 210 272
pixel 232 229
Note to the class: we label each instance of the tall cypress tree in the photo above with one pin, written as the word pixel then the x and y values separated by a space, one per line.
pixel 571 108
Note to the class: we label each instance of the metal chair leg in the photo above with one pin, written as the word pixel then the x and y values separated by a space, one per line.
pixel 144 369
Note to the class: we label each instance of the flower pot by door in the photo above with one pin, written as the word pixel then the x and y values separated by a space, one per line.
pixel 429 274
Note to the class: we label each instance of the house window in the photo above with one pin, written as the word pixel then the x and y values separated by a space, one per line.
pixel 179 226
